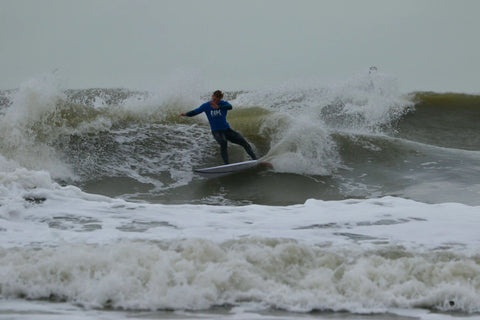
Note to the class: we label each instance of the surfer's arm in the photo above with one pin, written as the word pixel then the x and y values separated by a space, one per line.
pixel 193 112
pixel 188 114
pixel 224 105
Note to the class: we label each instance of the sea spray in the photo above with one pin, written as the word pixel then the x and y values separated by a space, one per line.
pixel 301 147
pixel 307 114
pixel 25 123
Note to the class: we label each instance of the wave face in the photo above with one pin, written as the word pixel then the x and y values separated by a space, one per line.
pixel 360 138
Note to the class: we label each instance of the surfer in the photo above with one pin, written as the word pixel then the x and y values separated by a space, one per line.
pixel 216 111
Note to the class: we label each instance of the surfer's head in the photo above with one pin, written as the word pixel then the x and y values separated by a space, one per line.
pixel 218 94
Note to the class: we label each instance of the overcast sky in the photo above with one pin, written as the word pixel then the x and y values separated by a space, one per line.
pixel 240 44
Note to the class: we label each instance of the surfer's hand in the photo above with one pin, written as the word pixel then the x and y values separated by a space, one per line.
pixel 214 105
pixel 182 115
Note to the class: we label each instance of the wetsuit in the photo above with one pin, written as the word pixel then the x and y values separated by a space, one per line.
pixel 221 129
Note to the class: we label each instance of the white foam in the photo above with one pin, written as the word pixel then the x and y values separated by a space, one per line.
pixel 358 255
pixel 197 274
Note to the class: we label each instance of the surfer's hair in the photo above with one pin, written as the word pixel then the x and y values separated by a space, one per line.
pixel 218 94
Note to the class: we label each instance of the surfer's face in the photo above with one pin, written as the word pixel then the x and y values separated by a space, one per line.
pixel 215 100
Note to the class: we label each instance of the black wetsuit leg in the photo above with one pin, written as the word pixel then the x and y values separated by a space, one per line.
pixel 235 137
pixel 231 135
pixel 219 135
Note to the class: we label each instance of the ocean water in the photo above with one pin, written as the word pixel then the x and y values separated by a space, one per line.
pixel 371 209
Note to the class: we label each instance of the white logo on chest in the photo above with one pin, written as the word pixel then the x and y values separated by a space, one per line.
pixel 216 113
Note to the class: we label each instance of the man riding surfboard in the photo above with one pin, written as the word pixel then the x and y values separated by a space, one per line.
pixel 216 111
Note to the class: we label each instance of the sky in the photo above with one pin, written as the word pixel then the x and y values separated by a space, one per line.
pixel 240 44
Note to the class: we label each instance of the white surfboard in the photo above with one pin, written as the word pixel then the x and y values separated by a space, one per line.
pixel 218 171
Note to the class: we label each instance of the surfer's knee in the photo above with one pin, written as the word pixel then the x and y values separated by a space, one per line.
pixel 221 139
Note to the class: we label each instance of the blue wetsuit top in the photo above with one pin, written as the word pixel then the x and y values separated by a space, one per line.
pixel 216 117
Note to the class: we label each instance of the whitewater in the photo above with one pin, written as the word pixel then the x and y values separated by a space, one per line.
pixel 370 211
